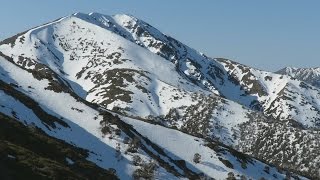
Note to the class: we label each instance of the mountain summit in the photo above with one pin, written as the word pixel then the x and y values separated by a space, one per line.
pixel 134 99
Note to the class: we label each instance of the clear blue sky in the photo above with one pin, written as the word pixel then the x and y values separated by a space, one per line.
pixel 265 34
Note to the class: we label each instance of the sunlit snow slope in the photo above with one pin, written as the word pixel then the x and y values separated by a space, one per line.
pixel 66 77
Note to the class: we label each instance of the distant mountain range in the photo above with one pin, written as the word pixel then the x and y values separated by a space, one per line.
pixel 111 97
pixel 309 75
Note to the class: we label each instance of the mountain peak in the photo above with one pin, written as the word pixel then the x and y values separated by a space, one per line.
pixel 309 75
pixel 96 15
pixel 125 16
pixel 291 70
pixel 81 66
pixel 287 69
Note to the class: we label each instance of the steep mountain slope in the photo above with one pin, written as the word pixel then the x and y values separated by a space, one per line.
pixel 65 117
pixel 107 140
pixel 120 76
pixel 65 77
pixel 107 69
pixel 28 153
pixel 309 75
pixel 252 88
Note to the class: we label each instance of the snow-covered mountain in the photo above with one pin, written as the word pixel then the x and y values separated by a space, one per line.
pixel 129 147
pixel 136 99
pixel 309 75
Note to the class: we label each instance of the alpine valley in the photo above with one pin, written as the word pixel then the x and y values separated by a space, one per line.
pixel 91 96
